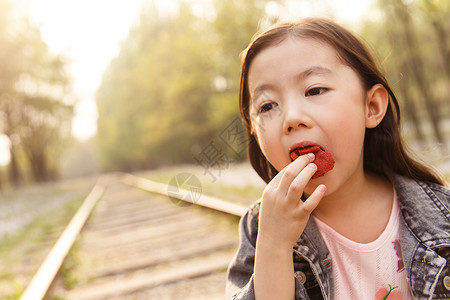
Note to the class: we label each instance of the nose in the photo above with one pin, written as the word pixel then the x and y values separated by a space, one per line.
pixel 296 116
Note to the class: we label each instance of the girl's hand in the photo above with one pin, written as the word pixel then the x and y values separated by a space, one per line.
pixel 283 214
pixel 282 218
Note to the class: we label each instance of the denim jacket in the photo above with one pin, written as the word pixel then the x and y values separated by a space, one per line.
pixel 424 238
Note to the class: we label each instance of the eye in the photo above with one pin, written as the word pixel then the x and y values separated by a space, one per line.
pixel 265 107
pixel 315 91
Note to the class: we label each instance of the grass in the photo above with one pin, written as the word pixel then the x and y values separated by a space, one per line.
pixel 69 279
pixel 236 184
pixel 22 253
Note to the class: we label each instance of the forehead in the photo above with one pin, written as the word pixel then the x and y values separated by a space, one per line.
pixel 292 56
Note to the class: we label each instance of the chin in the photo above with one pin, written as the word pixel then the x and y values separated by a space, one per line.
pixel 311 186
pixel 314 183
pixel 281 165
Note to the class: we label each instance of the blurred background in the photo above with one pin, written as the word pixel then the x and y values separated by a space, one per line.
pixel 151 87
pixel 97 86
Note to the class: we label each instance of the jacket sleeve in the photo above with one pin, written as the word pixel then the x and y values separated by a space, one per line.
pixel 240 271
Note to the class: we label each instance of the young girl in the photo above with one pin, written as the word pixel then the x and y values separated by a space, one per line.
pixel 376 224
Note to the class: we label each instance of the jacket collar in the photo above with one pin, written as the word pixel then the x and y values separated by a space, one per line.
pixel 423 212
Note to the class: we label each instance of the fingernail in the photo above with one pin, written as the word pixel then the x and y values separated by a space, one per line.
pixel 311 155
pixel 322 188
pixel 314 166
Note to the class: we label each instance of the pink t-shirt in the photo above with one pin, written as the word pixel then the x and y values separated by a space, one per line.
pixel 368 271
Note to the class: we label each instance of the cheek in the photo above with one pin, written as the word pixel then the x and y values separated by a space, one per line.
pixel 268 139
pixel 265 130
pixel 348 137
pixel 265 141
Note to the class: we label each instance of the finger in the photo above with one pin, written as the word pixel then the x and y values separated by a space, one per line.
pixel 293 170
pixel 301 180
pixel 275 182
pixel 307 207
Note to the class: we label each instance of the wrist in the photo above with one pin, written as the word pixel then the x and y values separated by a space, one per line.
pixel 274 241
pixel 274 248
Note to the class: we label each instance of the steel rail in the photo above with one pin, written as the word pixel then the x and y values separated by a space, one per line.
pixel 42 280
pixel 204 200
pixel 44 277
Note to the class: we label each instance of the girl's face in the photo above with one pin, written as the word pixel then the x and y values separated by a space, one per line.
pixel 302 94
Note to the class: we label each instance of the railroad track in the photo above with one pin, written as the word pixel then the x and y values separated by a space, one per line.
pixel 129 241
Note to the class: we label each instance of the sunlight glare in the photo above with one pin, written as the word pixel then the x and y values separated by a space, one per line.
pixel 5 144
pixel 88 33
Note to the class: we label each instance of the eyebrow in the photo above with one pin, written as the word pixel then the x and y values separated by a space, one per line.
pixel 313 70
pixel 259 90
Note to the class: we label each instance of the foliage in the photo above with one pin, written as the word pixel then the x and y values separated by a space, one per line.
pixel 22 252
pixel 35 111
pixel 173 85
pixel 412 39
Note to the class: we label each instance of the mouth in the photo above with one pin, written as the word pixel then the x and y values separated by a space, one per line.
pixel 298 151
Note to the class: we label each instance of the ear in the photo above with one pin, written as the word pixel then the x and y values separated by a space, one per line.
pixel 377 100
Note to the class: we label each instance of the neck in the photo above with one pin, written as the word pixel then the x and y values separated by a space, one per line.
pixel 364 201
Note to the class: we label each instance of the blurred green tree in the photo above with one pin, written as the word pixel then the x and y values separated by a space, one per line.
pixel 153 99
pixel 408 36
pixel 234 25
pixel 436 13
pixel 174 84
pixel 35 109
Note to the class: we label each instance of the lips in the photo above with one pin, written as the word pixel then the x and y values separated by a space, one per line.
pixel 323 159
